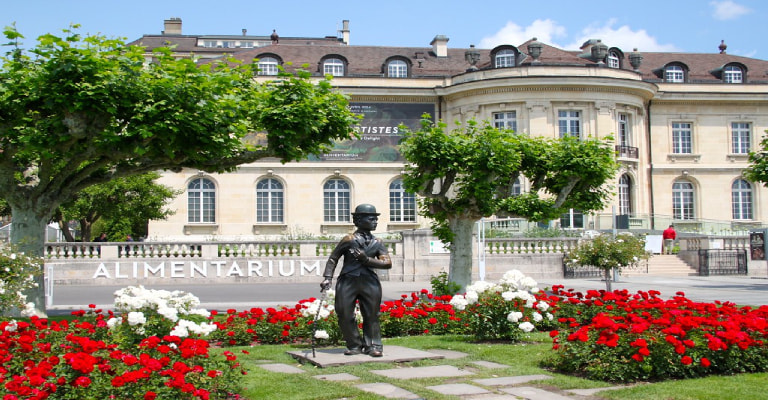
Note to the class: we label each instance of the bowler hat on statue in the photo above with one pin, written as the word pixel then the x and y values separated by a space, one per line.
pixel 365 209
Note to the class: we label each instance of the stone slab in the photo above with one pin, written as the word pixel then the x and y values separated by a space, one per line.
pixel 489 364
pixel 284 368
pixel 532 393
pixel 458 389
pixel 449 354
pixel 510 380
pixel 387 390
pixel 335 357
pixel 436 371
pixel 593 391
pixel 336 377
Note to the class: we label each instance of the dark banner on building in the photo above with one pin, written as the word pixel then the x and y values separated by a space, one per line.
pixel 757 245
pixel 379 132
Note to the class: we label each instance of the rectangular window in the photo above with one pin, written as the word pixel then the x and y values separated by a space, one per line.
pixel 209 43
pixel 228 44
pixel 682 138
pixel 247 44
pixel 624 131
pixel 574 219
pixel 569 123
pixel 505 120
pixel 741 134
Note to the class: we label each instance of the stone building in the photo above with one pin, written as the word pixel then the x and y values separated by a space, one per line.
pixel 683 125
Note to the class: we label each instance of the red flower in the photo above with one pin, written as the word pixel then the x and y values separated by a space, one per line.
pixel 705 362
pixel 686 360
pixel 82 381
pixel 433 321
pixel 150 395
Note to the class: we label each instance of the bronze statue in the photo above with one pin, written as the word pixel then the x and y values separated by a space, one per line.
pixel 357 282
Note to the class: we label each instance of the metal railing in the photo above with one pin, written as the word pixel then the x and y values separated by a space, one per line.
pixel 722 262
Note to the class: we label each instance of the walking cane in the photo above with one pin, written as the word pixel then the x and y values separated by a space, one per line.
pixel 317 317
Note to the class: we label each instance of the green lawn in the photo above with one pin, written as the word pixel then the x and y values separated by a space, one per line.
pixel 522 358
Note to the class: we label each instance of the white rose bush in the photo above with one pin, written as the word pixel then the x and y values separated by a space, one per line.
pixel 505 310
pixel 17 275
pixel 141 312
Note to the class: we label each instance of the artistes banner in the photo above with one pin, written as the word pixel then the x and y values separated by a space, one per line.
pixel 379 132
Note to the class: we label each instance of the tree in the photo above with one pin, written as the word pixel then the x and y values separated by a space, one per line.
pixel 78 111
pixel 123 204
pixel 609 253
pixel 468 173
pixel 758 163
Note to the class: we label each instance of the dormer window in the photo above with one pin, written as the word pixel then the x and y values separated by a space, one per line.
pixel 733 74
pixel 333 67
pixel 504 58
pixel 613 60
pixel 268 65
pixel 397 68
pixel 674 73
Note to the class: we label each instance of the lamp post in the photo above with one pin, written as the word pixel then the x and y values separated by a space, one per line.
pixel 473 57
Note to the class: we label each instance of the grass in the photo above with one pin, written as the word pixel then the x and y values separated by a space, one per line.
pixel 522 358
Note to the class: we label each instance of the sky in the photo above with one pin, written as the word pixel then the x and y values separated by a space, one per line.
pixel 692 26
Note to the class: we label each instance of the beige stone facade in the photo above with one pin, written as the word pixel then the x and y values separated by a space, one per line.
pixel 682 146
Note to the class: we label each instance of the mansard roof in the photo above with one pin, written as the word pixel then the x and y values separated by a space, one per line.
pixel 370 61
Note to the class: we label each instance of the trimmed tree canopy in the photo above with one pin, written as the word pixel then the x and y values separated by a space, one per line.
pixel 468 173
pixel 77 111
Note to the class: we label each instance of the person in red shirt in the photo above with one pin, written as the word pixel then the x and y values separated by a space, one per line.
pixel 669 235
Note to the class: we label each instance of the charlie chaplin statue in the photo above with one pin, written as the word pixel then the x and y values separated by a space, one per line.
pixel 357 282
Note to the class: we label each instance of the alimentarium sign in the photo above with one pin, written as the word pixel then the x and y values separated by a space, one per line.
pixel 379 132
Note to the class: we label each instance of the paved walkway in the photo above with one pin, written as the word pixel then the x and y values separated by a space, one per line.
pixel 461 381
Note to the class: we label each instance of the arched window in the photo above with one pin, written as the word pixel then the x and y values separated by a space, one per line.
pixel 402 205
pixel 397 69
pixel 504 58
pixel 336 201
pixel 201 201
pixel 268 66
pixel 625 192
pixel 333 67
pixel 682 200
pixel 613 60
pixel 741 199
pixel 269 201
pixel 733 74
pixel 674 73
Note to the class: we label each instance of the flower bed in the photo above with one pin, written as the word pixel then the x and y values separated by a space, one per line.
pixel 157 344
pixel 623 337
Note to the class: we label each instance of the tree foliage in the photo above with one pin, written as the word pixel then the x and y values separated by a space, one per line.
pixel 609 253
pixel 758 163
pixel 82 110
pixel 124 205
pixel 468 173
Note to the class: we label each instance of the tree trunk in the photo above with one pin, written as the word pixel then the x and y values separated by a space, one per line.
pixel 460 270
pixel 608 279
pixel 28 235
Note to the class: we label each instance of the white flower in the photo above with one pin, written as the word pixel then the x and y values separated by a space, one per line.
pixel 168 312
pixel 321 334
pixel 471 297
pixel 136 318
pixel 12 326
pixel 542 306
pixel 537 317
pixel 459 302
pixel 526 326
pixel 549 316
pixel 514 316
pixel 112 323
pixel 508 296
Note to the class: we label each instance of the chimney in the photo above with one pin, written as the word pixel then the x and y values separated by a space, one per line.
pixel 245 31
pixel 172 26
pixel 440 45
pixel 345 31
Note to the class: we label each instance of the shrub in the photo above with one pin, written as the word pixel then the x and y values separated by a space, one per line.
pixel 18 274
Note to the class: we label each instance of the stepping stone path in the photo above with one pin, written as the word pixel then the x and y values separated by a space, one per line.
pixel 459 381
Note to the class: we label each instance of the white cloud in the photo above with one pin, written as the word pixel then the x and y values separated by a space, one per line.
pixel 543 30
pixel 548 31
pixel 622 37
pixel 725 10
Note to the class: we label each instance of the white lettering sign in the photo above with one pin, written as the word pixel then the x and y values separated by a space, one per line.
pixel 207 269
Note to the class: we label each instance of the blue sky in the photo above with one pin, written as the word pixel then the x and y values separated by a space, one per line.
pixel 695 26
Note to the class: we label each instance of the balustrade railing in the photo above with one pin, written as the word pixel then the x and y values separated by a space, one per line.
pixel 529 245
